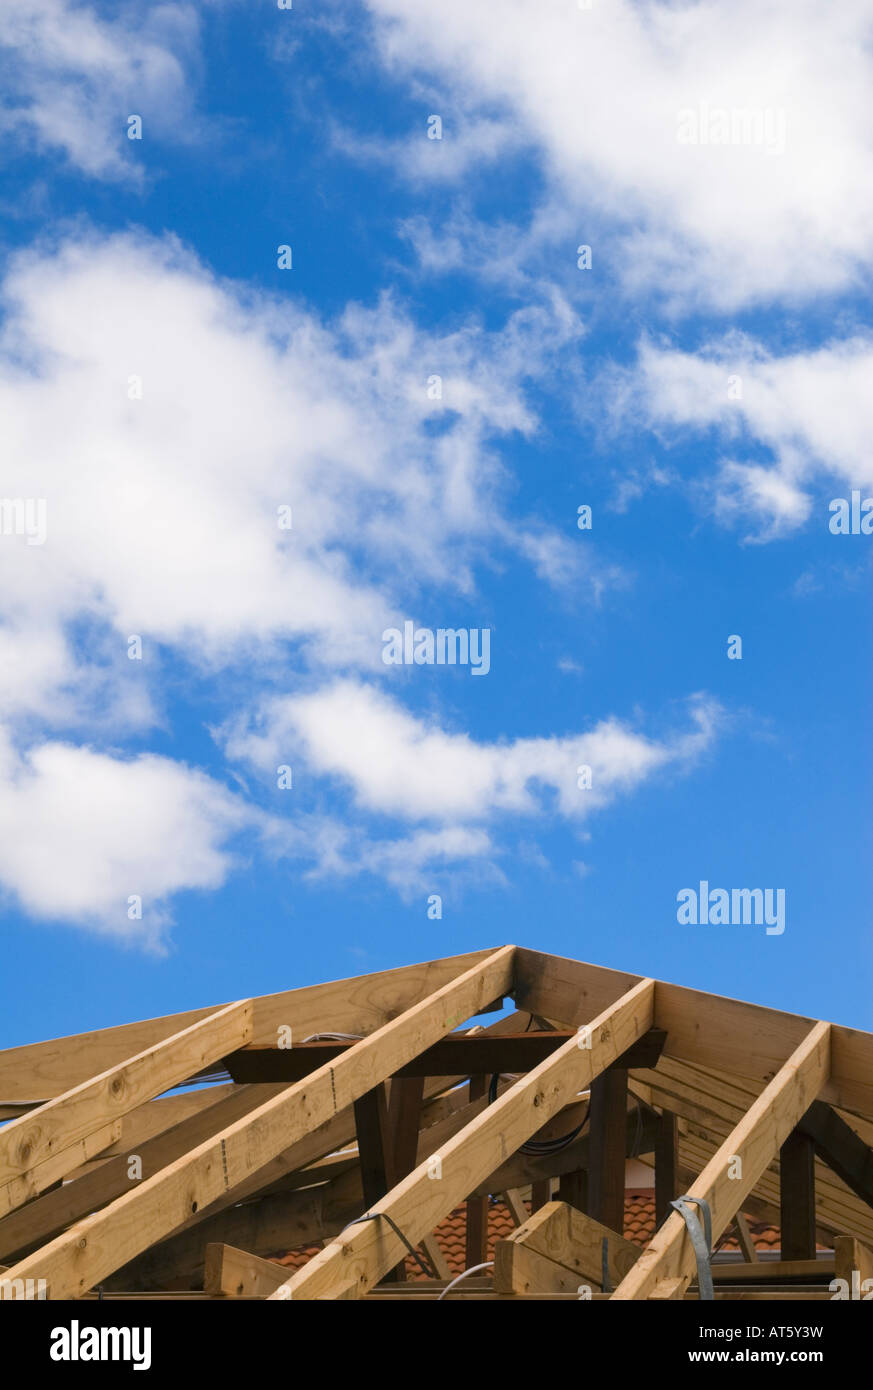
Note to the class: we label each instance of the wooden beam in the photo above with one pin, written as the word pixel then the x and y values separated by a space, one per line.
pixel 183 1252
pixel 483 1295
pixel 45 1177
pixel 797 1196
pixel 666 1163
pixel 561 1236
pixel 772 1271
pixel 853 1262
pixel 232 1273
pixel 476 1232
pixel 743 1039
pixel 517 1208
pixel 159 1115
pixel 763 1203
pixel 281 1219
pixel 573 1189
pixel 38 1221
pixel 540 1193
pixel 42 1146
pixel 566 991
pixel 271 1225
pixel 744 1239
pixel 718 1108
pixel 837 1208
pixel 474 1053
pixel 404 1119
pixel 82 1256
pixel 754 1142
pixel 358 1258
pixel 668 1290
pixel 524 1168
pixel 841 1148
pixel 606 1163
pixel 436 1259
pixel 363 1004
pixel 374 1144
pixel 520 1271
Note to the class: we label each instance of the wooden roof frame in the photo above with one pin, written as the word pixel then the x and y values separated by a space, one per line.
pixel 113 1179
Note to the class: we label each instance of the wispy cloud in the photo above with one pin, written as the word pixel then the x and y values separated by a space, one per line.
pixel 398 764
pixel 811 411
pixel 72 75
pixel 713 179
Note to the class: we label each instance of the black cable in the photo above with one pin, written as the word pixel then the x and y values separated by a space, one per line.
pixel 540 1147
pixel 429 1273
pixel 543 1147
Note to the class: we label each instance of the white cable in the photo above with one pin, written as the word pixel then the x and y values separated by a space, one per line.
pixel 333 1037
pixel 489 1264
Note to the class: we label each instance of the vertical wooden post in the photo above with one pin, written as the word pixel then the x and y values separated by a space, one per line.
pixel 797 1196
pixel 540 1193
pixel 666 1165
pixel 607 1148
pixel 573 1189
pixel 374 1144
pixel 477 1207
pixel 404 1117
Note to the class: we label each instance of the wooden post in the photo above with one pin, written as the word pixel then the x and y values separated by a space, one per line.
pixel 477 1207
pixel 374 1144
pixel 666 1163
pixel 797 1196
pixel 573 1189
pixel 404 1116
pixel 540 1193
pixel 607 1148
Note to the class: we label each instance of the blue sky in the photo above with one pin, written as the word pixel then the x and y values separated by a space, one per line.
pixel 704 387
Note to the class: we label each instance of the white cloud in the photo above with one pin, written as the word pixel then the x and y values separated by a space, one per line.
pixel 812 411
pixel 82 831
pixel 602 92
pixel 417 863
pixel 400 765
pixel 162 512
pixel 456 797
pixel 454 154
pixel 72 76
pixel 162 522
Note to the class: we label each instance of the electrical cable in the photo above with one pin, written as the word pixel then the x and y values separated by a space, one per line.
pixel 334 1037
pixel 488 1264
pixel 429 1273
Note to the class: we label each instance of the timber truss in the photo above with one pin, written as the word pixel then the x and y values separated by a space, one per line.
pixel 168 1158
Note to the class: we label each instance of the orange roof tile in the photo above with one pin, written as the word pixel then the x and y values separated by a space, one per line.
pixel 639 1226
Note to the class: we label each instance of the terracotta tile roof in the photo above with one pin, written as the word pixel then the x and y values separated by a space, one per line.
pixel 296 1259
pixel 639 1226
pixel 639 1223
